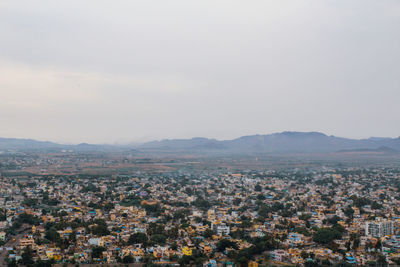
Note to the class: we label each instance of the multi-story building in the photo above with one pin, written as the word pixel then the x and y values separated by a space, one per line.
pixel 379 228
pixel 221 229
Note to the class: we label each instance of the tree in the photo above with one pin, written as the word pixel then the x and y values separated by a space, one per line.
pixel 100 230
pixel 159 239
pixel 225 243
pixel 356 243
pixel 348 245
pixel 27 257
pixel 304 254
pixel 378 244
pixel 136 238
pixel 326 262
pixel 97 252
pixel 52 235
pixel 381 260
pixel 237 201
pixel 12 263
pixel 41 263
pixel 173 233
pixel 302 230
pixel 311 264
pixel 174 246
pixel 208 233
pixel 326 235
pixel 200 202
pixel 348 211
pixel 155 228
pixel 263 211
pixel 334 219
pixel 128 259
pixel 28 218
pixel 258 188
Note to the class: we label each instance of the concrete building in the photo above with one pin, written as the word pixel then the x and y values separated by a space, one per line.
pixel 379 228
pixel 221 229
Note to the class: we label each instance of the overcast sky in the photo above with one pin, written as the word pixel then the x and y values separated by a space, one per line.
pixel 123 71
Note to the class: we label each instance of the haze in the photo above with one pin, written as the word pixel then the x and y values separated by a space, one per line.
pixel 125 71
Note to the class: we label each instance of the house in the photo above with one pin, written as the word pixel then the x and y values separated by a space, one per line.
pixel 278 255
pixel 221 229
pixel 25 242
pixel 187 251
pixel 96 242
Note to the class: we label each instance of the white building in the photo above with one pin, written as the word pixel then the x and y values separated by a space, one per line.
pixel 379 228
pixel 95 241
pixel 221 229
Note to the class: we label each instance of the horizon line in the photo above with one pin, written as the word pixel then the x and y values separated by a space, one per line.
pixel 189 138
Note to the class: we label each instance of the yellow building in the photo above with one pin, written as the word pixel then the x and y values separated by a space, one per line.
pixel 253 264
pixel 187 251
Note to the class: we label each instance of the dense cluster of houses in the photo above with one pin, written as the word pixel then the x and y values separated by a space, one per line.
pixel 323 215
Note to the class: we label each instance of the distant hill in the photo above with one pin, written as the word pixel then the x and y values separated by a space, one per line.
pixel 26 144
pixel 285 142
pixel 197 143
pixel 15 144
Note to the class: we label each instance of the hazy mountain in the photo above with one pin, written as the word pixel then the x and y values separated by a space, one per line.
pixel 15 144
pixel 26 144
pixel 285 142
pixel 184 144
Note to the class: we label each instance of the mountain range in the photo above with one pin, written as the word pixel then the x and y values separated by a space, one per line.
pixel 284 142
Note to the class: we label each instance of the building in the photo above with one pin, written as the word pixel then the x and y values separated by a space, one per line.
pixel 187 251
pixel 25 242
pixel 278 255
pixel 221 229
pixel 379 228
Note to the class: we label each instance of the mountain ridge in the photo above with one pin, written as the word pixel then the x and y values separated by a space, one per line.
pixel 283 142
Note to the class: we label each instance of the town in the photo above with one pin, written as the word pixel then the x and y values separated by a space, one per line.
pixel 199 133
pixel 303 215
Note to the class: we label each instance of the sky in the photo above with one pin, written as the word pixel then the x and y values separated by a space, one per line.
pixel 96 71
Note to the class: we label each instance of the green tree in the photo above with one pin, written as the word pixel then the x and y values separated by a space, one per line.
pixel 128 259
pixel 381 260
pixel 27 257
pixel 304 254
pixel 326 235
pixel 348 211
pixel 225 243
pixel 258 188
pixel 97 252
pixel 52 235
pixel 138 238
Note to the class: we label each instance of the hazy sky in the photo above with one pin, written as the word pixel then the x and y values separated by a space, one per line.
pixel 120 71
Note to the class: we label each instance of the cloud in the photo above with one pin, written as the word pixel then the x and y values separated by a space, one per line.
pixel 99 72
